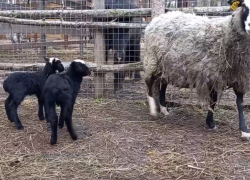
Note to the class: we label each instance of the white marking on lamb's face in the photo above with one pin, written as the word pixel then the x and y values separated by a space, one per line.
pixel 164 110
pixel 152 106
pixel 80 61
pixel 52 59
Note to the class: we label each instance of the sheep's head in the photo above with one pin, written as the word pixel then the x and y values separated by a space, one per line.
pixel 52 65
pixel 79 67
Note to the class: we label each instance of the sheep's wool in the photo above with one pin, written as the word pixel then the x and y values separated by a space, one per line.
pixel 193 50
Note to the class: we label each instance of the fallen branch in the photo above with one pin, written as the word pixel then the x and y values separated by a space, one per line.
pixel 93 66
pixel 112 13
pixel 67 24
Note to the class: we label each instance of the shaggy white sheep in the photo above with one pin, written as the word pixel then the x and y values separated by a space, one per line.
pixel 210 55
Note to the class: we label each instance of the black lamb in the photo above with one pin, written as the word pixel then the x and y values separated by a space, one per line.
pixel 20 84
pixel 62 90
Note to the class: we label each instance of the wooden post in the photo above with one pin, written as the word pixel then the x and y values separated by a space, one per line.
pixel 66 40
pixel 43 49
pixel 99 77
pixel 81 46
pixel 158 7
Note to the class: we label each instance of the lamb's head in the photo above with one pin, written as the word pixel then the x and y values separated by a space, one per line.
pixel 80 68
pixel 52 65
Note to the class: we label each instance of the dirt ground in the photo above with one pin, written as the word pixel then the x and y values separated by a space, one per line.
pixel 123 142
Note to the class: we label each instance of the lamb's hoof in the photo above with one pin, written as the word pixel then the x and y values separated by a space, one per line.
pixel 53 141
pixel 20 127
pixel 60 127
pixel 41 118
pixel 74 137
pixel 245 136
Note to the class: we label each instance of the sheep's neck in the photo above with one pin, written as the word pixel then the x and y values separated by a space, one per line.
pixel 74 76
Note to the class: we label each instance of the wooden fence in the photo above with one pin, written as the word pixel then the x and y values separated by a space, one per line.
pixel 158 7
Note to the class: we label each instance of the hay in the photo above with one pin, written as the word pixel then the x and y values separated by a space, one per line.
pixel 123 145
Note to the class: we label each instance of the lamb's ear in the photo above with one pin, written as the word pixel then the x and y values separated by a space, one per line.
pixel 46 59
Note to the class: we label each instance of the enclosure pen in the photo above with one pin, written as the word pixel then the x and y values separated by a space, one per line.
pixel 109 132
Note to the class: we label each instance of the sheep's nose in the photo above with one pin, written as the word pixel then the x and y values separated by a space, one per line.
pixel 119 58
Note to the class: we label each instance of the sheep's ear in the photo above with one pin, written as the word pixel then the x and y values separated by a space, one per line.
pixel 46 59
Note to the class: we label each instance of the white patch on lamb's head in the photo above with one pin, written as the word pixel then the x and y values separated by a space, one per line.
pixel 53 59
pixel 80 61
pixel 246 16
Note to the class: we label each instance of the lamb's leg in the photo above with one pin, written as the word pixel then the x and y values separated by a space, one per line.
pixel 40 108
pixel 242 123
pixel 14 104
pixel 210 114
pixel 7 107
pixel 61 120
pixel 67 116
pixel 53 119
pixel 163 88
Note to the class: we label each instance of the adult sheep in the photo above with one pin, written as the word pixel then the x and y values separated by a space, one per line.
pixel 197 52
pixel 62 89
pixel 20 84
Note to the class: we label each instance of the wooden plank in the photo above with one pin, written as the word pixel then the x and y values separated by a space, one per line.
pixel 99 53
pixel 92 66
pixel 4 29
pixel 5 47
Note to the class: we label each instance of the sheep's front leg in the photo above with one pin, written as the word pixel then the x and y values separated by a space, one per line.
pixel 210 114
pixel 40 108
pixel 153 86
pixel 242 123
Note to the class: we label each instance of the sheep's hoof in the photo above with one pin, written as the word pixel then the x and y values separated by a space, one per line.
pixel 215 128
pixel 20 127
pixel 245 136
pixel 164 110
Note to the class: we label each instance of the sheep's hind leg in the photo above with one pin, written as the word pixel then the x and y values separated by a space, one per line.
pixel 210 114
pixel 7 107
pixel 14 103
pixel 67 116
pixel 242 123
pixel 53 119
pixel 163 88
